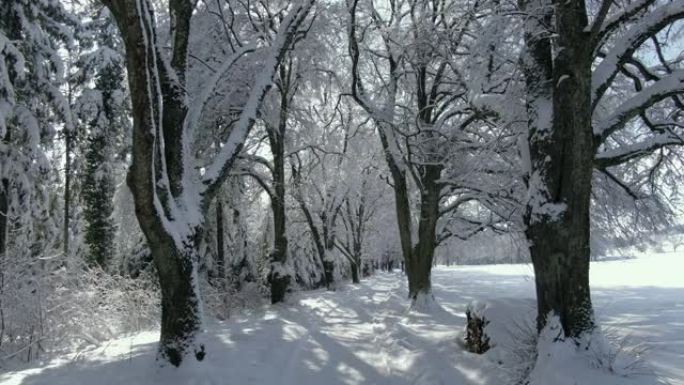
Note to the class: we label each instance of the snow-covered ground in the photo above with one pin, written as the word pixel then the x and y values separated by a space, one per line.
pixel 365 335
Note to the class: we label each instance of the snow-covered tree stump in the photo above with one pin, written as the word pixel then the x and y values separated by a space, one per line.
pixel 476 340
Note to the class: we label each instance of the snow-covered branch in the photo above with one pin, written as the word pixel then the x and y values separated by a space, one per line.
pixel 625 153
pixel 608 25
pixel 629 42
pixel 219 170
pixel 670 85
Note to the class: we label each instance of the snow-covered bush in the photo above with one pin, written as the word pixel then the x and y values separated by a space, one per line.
pixel 617 353
pixel 56 306
pixel 221 300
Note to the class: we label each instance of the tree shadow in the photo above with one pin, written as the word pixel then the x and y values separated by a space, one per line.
pixel 364 334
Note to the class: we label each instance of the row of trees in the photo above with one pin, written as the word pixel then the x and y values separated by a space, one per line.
pixel 291 122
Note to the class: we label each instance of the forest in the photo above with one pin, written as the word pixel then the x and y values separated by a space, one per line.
pixel 465 192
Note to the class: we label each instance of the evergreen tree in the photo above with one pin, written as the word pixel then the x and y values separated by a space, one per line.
pixel 98 193
pixel 102 110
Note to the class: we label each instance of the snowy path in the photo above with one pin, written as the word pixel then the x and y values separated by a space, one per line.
pixel 364 335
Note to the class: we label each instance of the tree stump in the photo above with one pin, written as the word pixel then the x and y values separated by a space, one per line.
pixel 476 340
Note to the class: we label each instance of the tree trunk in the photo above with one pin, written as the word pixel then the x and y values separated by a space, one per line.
pixel 220 244
pixel 176 266
pixel 277 277
pixel 561 156
pixel 4 226
pixel 561 275
pixel 174 254
pixel 419 267
pixel 328 262
pixel 4 218
pixel 355 272
pixel 329 271
pixel 318 238
pixel 68 144
pixel 356 265
pixel 180 324
pixel 403 212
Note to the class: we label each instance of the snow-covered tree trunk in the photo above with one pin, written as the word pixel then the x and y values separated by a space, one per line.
pixel 278 278
pixel 174 258
pixel 561 154
pixel 170 201
pixel 569 137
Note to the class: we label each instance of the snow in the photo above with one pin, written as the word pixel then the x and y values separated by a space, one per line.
pixel 538 199
pixel 561 79
pixel 504 316
pixel 365 334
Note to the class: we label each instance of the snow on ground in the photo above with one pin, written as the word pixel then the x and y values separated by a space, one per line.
pixel 365 335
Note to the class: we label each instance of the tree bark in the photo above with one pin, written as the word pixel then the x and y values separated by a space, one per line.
pixel 401 201
pixel 355 273
pixel 561 156
pixel 357 248
pixel 220 243
pixel 419 266
pixel 4 218
pixel 68 149
pixel 277 277
pixel 328 227
pixel 317 237
pixel 417 273
pixel 175 266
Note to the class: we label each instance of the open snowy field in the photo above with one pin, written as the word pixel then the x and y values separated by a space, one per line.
pixel 364 334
